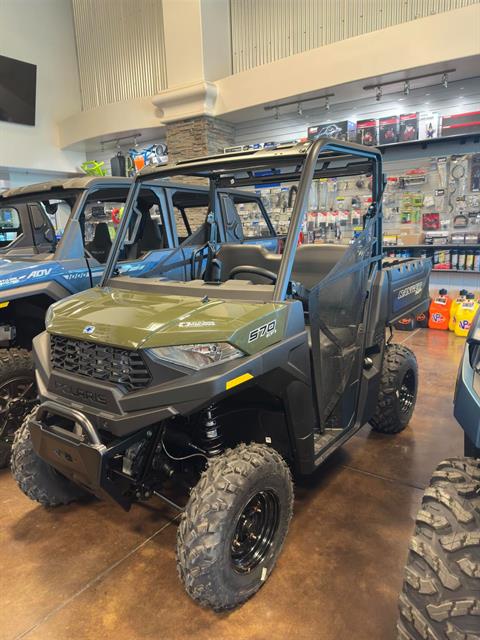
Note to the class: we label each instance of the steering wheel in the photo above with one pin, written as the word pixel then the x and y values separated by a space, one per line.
pixel 256 271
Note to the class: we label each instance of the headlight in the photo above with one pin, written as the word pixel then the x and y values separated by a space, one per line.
pixel 197 356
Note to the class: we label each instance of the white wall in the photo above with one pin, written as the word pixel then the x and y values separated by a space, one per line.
pixel 41 32
pixel 268 30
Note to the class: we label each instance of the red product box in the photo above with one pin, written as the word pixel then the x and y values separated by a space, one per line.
pixel 408 127
pixel 388 129
pixel 461 123
pixel 367 131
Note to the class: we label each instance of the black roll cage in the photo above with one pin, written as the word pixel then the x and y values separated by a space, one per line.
pixel 305 157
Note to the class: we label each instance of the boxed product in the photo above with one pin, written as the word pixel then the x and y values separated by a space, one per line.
pixel 408 127
pixel 428 125
pixel 367 131
pixel 342 130
pixel 388 129
pixel 461 123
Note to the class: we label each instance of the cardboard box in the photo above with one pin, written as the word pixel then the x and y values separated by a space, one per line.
pixel 367 131
pixel 408 130
pixel 428 125
pixel 388 129
pixel 461 123
pixel 342 130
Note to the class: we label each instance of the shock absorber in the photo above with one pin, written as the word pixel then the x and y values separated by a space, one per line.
pixel 212 439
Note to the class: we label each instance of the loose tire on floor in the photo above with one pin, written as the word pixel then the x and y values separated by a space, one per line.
pixel 17 395
pixel 440 599
pixel 398 390
pixel 38 480
pixel 243 493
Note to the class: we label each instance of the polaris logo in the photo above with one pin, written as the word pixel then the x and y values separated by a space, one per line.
pixel 80 394
pixel 89 329
pixel 412 290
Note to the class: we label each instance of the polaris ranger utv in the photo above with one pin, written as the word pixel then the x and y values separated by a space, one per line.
pixel 229 382
pixel 441 590
pixel 69 252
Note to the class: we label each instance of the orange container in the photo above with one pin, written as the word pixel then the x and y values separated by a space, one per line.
pixel 440 311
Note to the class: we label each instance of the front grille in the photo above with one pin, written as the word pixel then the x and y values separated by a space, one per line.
pixel 101 362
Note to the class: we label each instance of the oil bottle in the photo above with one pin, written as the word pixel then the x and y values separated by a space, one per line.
pixel 455 304
pixel 465 314
pixel 440 311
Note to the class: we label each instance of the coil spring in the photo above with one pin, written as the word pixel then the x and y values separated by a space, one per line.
pixel 212 439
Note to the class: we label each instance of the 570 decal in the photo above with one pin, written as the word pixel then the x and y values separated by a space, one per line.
pixel 266 330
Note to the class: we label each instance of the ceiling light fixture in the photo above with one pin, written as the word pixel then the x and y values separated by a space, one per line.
pixel 277 113
pixel 407 81
pixel 300 109
pixel 379 94
pixel 327 104
pixel 325 96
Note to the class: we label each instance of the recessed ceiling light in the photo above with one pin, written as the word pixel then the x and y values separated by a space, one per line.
pixel 401 99
pixel 427 94
pixel 462 88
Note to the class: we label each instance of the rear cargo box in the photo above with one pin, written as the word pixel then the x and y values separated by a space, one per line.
pixel 408 282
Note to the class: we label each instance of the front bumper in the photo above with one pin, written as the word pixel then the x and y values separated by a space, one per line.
pixel 79 455
pixel 467 394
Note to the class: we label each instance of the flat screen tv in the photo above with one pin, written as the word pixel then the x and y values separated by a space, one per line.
pixel 18 85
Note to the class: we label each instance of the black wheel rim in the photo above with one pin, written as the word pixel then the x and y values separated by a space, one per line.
pixel 255 531
pixel 406 394
pixel 17 396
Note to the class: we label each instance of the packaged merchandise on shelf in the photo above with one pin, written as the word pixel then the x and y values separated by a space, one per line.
pixel 428 125
pixel 343 130
pixel 465 314
pixel 388 129
pixel 441 259
pixel 408 130
pixel 457 123
pixel 436 237
pixel 439 311
pixel 367 131
pixel 475 173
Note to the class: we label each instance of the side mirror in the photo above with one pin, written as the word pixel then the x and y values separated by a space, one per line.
pixel 49 235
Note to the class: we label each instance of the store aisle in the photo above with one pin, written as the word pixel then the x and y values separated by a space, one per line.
pixel 92 571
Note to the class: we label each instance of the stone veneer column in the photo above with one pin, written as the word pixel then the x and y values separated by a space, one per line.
pixel 196 137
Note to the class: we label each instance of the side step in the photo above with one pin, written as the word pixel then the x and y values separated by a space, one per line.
pixel 322 440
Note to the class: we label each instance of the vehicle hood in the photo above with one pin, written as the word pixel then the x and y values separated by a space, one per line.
pixel 133 320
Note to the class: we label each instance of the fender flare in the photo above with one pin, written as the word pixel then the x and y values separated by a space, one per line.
pixel 53 290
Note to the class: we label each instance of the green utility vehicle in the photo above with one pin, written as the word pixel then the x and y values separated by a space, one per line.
pixel 225 385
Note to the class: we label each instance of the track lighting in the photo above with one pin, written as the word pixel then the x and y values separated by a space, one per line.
pixel 299 103
pixel 406 83
pixel 327 104
pixel 277 113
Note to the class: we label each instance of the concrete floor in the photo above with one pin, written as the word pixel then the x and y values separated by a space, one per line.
pixel 92 571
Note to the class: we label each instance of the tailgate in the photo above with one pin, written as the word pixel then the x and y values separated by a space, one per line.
pixel 408 282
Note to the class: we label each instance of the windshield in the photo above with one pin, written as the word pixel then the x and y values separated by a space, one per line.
pixel 263 202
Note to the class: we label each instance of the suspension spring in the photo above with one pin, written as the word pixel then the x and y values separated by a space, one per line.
pixel 212 440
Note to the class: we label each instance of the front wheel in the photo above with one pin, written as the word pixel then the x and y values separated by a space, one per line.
pixel 440 599
pixel 398 390
pixel 234 526
pixel 37 479
pixel 18 393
